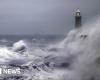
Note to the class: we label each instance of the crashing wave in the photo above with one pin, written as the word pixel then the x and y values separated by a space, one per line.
pixel 19 46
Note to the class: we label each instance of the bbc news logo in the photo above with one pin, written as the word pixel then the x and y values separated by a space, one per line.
pixel 10 71
pixel 4 69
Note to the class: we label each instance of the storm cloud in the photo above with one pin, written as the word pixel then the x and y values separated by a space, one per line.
pixel 43 16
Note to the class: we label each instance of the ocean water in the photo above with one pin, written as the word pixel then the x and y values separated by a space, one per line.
pixel 75 56
pixel 28 50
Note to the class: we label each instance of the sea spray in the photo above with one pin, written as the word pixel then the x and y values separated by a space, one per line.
pixel 85 45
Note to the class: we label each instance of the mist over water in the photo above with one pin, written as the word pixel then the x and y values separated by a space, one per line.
pixel 77 57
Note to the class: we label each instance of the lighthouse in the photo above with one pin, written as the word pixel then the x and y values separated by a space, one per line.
pixel 78 19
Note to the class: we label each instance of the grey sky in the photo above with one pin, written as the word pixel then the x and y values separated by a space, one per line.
pixel 43 16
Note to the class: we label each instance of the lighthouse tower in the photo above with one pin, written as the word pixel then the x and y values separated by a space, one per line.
pixel 78 19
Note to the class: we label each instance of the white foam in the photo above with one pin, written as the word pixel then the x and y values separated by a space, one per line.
pixel 19 46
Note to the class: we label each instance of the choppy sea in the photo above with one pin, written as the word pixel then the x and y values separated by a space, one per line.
pixel 30 53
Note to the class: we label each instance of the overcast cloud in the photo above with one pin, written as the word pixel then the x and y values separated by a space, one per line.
pixel 43 16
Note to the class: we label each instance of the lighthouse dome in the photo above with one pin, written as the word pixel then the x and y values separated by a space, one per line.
pixel 78 10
